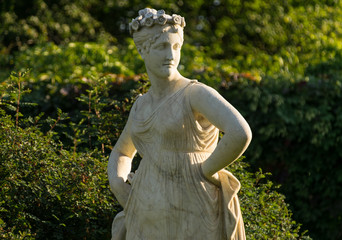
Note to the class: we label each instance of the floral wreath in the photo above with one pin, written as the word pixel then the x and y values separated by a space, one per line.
pixel 149 17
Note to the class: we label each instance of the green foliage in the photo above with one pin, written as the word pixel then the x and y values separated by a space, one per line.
pixel 71 61
pixel 265 212
pixel 48 192
pixel 297 130
pixel 49 189
pixel 263 36
pixel 25 23
pixel 61 74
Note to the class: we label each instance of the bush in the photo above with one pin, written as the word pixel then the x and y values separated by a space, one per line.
pixel 265 212
pixel 267 37
pixel 48 192
pixel 297 133
pixel 60 74
pixel 26 23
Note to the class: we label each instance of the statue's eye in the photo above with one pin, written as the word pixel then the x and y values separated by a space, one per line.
pixel 176 46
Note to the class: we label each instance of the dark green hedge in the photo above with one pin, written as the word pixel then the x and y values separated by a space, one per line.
pixel 297 128
pixel 263 36
pixel 48 192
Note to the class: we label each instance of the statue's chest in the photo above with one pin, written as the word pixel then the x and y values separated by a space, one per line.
pixel 167 119
pixel 171 119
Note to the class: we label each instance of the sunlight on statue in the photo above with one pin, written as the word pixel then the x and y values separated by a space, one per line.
pixel 180 190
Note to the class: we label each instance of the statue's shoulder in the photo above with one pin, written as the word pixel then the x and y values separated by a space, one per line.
pixel 200 91
pixel 199 86
pixel 138 101
pixel 140 98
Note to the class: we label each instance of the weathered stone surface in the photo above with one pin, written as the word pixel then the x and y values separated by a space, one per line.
pixel 180 190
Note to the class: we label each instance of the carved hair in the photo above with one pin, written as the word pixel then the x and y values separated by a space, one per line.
pixel 146 37
pixel 150 24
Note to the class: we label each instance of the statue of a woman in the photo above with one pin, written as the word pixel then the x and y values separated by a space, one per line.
pixel 180 190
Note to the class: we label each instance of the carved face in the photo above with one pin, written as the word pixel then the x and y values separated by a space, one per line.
pixel 163 58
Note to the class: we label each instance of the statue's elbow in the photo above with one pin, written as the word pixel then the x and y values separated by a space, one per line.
pixel 245 136
pixel 115 184
pixel 249 135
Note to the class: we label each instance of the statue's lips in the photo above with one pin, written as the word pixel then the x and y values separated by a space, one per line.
pixel 168 64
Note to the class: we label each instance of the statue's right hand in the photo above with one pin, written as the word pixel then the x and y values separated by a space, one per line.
pixel 214 179
pixel 130 177
pixel 121 190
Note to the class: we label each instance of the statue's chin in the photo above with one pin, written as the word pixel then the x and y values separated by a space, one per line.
pixel 164 72
pixel 168 72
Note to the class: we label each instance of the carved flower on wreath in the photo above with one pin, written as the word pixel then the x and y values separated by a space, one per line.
pixel 160 12
pixel 149 15
pixel 176 19
pixel 135 25
pixel 149 21
pixel 162 20
pixel 142 12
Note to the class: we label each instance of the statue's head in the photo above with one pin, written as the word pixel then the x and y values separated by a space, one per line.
pixel 151 24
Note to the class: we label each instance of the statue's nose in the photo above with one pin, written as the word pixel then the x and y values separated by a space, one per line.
pixel 170 54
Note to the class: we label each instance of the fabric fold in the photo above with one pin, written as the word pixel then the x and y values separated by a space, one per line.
pixel 118 227
pixel 170 199
pixel 233 221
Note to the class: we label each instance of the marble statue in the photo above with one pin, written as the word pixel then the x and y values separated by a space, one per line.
pixel 180 190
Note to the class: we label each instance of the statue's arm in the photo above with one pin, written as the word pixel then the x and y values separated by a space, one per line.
pixel 212 106
pixel 119 165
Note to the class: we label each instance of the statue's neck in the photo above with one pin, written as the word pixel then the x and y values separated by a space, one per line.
pixel 161 87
